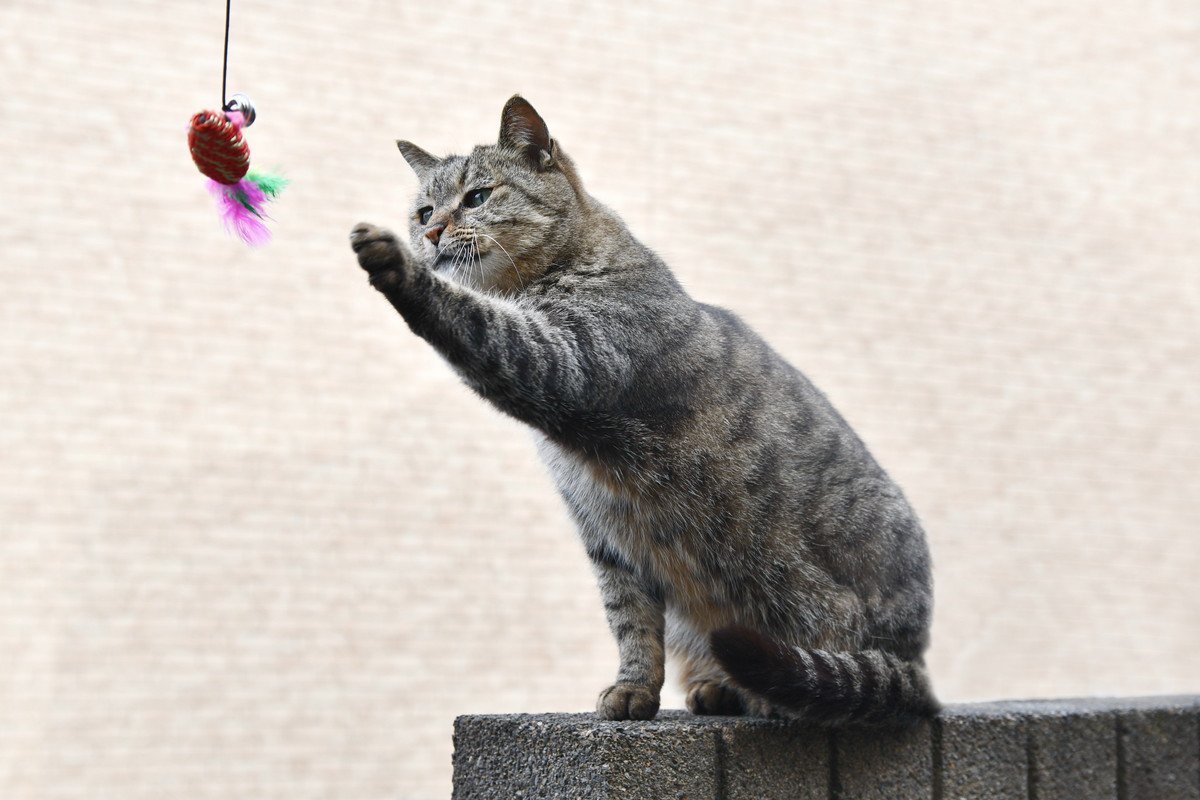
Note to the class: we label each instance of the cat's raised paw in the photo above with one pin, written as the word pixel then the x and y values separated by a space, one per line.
pixel 711 697
pixel 377 248
pixel 627 701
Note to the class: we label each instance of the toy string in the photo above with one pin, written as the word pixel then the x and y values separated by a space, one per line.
pixel 225 59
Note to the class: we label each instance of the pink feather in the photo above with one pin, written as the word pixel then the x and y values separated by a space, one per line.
pixel 247 223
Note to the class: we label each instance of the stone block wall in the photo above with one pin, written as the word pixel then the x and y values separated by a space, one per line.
pixel 1093 749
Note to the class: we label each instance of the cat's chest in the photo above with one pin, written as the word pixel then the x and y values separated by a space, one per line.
pixel 641 519
pixel 597 493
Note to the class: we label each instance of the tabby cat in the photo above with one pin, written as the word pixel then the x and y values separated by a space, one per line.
pixel 732 517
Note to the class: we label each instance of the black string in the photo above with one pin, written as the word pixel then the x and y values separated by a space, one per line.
pixel 225 60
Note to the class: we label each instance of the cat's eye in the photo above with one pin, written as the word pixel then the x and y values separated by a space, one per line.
pixel 476 197
pixel 424 214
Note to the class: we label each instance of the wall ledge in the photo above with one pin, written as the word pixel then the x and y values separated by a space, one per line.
pixel 1143 748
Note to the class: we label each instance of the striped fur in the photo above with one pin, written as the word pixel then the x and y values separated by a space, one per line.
pixel 713 486
pixel 870 687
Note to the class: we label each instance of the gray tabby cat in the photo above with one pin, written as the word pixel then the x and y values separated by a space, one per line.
pixel 732 516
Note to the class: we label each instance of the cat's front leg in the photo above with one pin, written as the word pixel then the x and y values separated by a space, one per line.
pixel 514 354
pixel 635 616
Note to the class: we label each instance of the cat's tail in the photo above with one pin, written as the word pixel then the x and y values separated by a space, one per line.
pixel 869 687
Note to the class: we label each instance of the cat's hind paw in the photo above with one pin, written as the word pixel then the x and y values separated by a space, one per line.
pixel 627 701
pixel 711 697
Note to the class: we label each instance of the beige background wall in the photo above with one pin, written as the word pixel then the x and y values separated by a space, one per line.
pixel 257 541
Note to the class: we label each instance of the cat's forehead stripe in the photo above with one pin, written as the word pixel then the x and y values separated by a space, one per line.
pixel 456 172
pixel 448 178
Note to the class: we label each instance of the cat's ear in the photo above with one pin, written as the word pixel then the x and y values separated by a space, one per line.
pixel 521 128
pixel 420 161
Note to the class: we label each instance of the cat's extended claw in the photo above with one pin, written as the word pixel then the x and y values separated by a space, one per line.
pixel 627 701
pixel 377 248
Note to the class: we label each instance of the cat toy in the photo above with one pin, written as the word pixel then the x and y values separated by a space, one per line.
pixel 223 156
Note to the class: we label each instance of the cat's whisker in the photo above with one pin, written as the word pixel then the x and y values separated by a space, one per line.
pixel 453 265
pixel 457 263
pixel 516 269
pixel 478 257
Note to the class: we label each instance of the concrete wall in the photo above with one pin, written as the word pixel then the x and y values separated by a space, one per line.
pixel 258 542
pixel 1112 749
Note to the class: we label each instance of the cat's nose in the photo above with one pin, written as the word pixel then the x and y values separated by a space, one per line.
pixel 435 233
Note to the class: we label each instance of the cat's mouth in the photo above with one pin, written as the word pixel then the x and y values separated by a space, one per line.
pixel 449 257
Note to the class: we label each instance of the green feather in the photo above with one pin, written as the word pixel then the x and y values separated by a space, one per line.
pixel 240 196
pixel 270 183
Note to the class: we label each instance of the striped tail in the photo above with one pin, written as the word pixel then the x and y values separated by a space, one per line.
pixel 870 687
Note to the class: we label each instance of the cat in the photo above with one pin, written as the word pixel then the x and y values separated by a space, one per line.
pixel 732 517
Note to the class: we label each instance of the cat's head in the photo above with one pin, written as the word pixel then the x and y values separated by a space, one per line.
pixel 503 215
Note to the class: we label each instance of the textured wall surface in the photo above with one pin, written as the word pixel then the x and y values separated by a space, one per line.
pixel 256 539
pixel 1145 748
